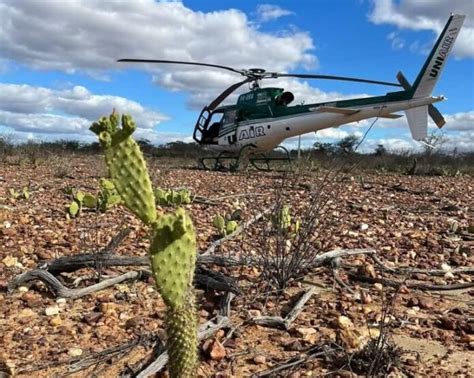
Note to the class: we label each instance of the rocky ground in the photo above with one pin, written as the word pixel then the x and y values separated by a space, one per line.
pixel 423 223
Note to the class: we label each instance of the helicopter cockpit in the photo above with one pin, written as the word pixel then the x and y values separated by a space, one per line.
pixel 258 102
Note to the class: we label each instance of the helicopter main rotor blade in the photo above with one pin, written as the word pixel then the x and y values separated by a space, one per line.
pixel 180 62
pixel 257 73
pixel 214 104
pixel 329 77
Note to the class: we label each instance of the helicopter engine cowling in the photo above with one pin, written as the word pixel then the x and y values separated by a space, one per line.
pixel 284 99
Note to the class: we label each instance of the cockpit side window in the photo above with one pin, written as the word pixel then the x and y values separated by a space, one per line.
pixel 229 117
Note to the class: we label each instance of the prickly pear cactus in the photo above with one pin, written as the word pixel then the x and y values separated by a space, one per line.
pixel 173 257
pixel 173 244
pixel 126 165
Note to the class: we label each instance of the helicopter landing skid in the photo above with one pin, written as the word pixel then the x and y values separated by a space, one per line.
pixel 222 162
pixel 226 162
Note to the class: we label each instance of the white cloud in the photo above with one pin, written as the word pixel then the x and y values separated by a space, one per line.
pixel 92 34
pixel 268 12
pixel 42 111
pixel 460 121
pixel 428 15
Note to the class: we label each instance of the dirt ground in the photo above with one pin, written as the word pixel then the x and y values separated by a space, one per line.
pixel 410 222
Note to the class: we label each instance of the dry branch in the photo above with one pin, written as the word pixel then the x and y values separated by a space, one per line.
pixel 204 278
pixel 410 285
pixel 429 272
pixel 285 323
pixel 62 291
pixel 313 352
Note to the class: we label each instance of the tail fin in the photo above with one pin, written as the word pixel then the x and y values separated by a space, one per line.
pixel 418 121
pixel 431 71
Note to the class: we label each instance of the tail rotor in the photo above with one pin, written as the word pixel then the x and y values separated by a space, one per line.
pixel 433 112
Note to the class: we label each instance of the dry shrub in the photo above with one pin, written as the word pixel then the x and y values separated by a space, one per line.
pixel 283 252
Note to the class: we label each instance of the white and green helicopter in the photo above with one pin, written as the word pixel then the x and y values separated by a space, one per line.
pixel 262 118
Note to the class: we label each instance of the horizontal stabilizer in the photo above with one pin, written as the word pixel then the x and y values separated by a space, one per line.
pixel 390 116
pixel 332 109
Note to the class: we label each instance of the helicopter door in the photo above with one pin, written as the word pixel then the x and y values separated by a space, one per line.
pixel 215 122
pixel 229 126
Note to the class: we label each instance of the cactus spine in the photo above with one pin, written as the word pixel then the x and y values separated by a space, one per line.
pixel 173 240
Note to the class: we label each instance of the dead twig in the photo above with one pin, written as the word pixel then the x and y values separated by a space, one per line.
pixel 410 285
pixel 429 272
pixel 313 352
pixel 81 363
pixel 285 323
pixel 203 278
pixel 62 291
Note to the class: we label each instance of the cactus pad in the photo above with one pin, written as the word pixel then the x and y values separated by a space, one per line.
pixel 173 256
pixel 126 165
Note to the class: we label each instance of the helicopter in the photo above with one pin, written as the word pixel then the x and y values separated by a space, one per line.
pixel 262 118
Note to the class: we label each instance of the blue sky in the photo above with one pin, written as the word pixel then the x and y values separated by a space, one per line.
pixel 58 71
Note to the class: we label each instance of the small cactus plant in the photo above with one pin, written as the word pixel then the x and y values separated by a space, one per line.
pixel 173 246
pixel 108 195
pixel 15 194
pixel 106 198
pixel 224 227
pixel 75 207
pixel 172 197
pixel 282 222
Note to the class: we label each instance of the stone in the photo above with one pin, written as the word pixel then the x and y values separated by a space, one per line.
pixel 343 322
pixel 92 317
pixel 425 303
pixel 260 359
pixel 217 351
pixel 378 286
pixel 10 261
pixel 448 323
pixel 305 331
pixel 132 323
pixel 51 310
pixel 293 345
pixel 254 313
pixel 56 321
pixel 365 297
pixel 32 299
pixel 75 352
